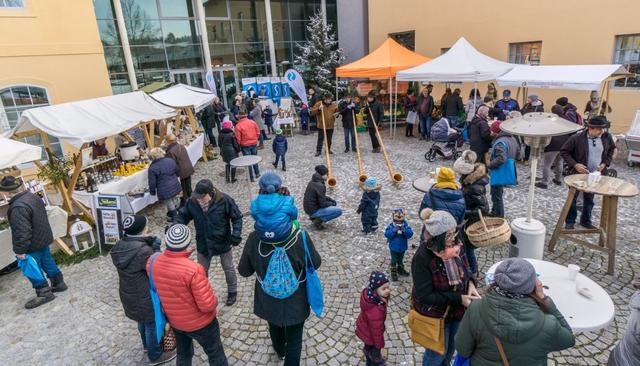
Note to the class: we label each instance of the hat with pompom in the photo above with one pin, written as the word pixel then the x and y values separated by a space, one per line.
pixel 270 182
pixel 465 164
pixel 437 222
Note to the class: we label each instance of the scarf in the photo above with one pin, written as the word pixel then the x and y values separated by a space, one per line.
pixel 453 271
pixel 446 185
pixel 376 279
pixel 508 294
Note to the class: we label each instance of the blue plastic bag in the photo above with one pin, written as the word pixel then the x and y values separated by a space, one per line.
pixel 461 361
pixel 158 313
pixel 505 174
pixel 314 286
pixel 31 269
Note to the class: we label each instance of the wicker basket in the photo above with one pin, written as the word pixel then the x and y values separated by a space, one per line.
pixel 489 231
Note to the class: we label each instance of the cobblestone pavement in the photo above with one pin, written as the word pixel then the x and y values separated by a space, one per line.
pixel 86 325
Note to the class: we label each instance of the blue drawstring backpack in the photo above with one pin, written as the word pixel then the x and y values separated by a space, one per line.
pixel 158 313
pixel 31 269
pixel 461 361
pixel 314 286
pixel 505 174
pixel 280 281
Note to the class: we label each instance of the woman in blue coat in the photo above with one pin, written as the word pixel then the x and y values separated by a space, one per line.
pixel 163 180
pixel 273 210
pixel 445 195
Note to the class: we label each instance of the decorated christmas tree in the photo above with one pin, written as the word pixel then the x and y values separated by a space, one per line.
pixel 320 57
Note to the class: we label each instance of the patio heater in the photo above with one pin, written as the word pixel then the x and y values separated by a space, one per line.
pixel 536 129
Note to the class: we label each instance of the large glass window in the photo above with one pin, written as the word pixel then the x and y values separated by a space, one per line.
pixel 527 53
pixel 407 39
pixel 108 32
pixel 222 54
pixel 281 31
pixel 180 31
pixel 176 8
pixel 140 9
pixel 627 53
pixel 148 57
pixel 143 31
pixel 248 31
pixel 115 59
pixel 184 57
pixel 11 4
pixel 17 99
pixel 215 8
pixel 104 9
pixel 251 53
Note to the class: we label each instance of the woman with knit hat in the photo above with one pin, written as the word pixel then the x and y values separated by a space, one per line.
pixel 445 195
pixel 516 314
pixel 443 286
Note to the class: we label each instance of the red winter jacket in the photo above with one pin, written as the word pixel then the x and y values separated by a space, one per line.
pixel 247 132
pixel 184 290
pixel 370 323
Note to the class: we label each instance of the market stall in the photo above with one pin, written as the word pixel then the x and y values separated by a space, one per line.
pixel 383 63
pixel 181 95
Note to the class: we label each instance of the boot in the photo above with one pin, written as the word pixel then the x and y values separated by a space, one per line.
pixel 171 215
pixel 318 224
pixel 394 273
pixel 317 153
pixel 231 298
pixel 402 272
pixel 227 173
pixel 164 358
pixel 57 283
pixel 43 296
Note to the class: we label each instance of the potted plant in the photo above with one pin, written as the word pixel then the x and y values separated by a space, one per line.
pixel 56 170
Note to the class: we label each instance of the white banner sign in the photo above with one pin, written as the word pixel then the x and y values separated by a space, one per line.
pixel 211 83
pixel 294 79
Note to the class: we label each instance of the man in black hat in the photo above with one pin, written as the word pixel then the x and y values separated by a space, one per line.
pixel 588 151
pixel 31 235
pixel 347 108
pixel 218 224
pixel 320 207
pixel 325 111
pixel 374 112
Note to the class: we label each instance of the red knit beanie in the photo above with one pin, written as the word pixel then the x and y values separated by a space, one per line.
pixel 495 127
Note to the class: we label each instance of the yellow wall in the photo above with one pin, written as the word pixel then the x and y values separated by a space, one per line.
pixel 571 31
pixel 53 44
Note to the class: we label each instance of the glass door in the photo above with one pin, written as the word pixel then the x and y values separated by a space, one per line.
pixel 188 77
pixel 227 85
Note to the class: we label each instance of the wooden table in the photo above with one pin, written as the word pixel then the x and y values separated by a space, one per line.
pixel 610 189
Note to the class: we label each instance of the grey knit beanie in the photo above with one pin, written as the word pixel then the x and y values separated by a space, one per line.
pixel 465 164
pixel 437 222
pixel 516 275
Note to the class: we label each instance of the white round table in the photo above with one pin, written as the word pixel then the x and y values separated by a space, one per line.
pixel 423 184
pixel 582 314
pixel 247 161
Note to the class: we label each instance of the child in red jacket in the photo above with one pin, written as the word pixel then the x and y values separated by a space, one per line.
pixel 373 312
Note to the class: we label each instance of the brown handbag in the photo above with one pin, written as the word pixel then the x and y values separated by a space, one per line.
pixel 426 331
pixel 503 356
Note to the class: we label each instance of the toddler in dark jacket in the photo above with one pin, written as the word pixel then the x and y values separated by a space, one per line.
pixel 369 204
pixel 304 118
pixel 280 147
pixel 373 312
pixel 398 234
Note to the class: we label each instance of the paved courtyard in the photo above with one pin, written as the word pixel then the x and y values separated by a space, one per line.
pixel 86 324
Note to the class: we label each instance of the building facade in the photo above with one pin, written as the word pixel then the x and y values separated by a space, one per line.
pixel 537 33
pixel 50 52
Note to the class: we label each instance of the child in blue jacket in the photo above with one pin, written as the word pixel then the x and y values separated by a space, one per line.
pixel 398 234
pixel 369 204
pixel 304 118
pixel 274 210
pixel 280 148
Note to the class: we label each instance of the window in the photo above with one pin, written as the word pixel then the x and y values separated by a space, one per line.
pixel 444 50
pixel 11 3
pixel 215 8
pixel 627 53
pixel 527 53
pixel 407 39
pixel 16 99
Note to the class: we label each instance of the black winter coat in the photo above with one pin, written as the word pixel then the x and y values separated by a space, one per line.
pixel 474 189
pixel 378 113
pixel 576 150
pixel 479 137
pixel 280 145
pixel 347 113
pixel 295 308
pixel 454 105
pixel 218 228
pixel 229 147
pixel 130 255
pixel 428 107
pixel 208 117
pixel 163 179
pixel 30 228
pixel 315 196
pixel 557 142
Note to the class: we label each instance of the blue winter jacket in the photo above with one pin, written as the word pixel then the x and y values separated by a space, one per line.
pixel 280 145
pixel 446 200
pixel 369 204
pixel 274 214
pixel 398 241
pixel 440 130
pixel 163 179
pixel 511 105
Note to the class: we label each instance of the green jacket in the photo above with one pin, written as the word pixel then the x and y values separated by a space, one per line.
pixel 527 334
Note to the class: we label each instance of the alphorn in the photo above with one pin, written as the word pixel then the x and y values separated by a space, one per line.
pixel 331 182
pixel 361 176
pixel 395 176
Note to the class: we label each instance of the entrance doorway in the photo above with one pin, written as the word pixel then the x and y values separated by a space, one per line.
pixel 226 78
pixel 188 77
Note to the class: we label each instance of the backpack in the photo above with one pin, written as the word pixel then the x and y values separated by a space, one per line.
pixel 280 281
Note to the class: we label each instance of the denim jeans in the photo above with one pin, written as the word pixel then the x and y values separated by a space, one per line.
pixel 261 137
pixel 453 121
pixel 327 213
pixel 226 261
pixel 209 339
pixel 587 207
pixel 251 150
pixel 287 341
pixel 45 261
pixel 549 159
pixel 350 139
pixel 149 340
pixel 278 158
pixel 497 204
pixel 425 127
pixel 435 359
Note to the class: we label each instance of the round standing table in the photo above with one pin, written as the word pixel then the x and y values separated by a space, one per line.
pixel 610 189
pixel 582 314
pixel 247 162
pixel 423 184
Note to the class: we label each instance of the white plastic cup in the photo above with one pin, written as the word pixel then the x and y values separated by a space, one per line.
pixel 573 271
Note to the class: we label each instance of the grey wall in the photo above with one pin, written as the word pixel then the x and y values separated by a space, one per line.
pixel 353 28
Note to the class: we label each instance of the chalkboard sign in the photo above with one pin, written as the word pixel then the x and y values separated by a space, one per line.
pixel 109 216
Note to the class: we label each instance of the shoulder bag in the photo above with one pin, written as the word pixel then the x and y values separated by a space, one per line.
pixel 427 331
pixel 158 313
pixel 505 174
pixel 503 356
pixel 314 286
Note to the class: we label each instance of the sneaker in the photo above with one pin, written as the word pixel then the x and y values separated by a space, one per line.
pixel 317 153
pixel 569 226
pixel 346 150
pixel 588 225
pixel 274 165
pixel 231 298
pixel 258 175
pixel 556 182
pixel 166 357
pixel 284 169
pixel 542 185
pixel 318 224
pixel 403 272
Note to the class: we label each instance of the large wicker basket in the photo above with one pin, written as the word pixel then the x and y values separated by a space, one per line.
pixel 488 231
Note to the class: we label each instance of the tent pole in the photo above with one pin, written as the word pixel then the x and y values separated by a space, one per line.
pixel 390 93
pixel 475 86
pixel 602 91
pixel 395 123
pixel 608 86
pixel 337 88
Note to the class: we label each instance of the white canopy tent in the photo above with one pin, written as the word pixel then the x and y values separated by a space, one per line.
pixel 181 95
pixel 16 152
pixel 461 63
pixel 87 120
pixel 574 77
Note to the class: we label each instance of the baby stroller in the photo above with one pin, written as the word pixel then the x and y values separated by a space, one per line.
pixel 445 143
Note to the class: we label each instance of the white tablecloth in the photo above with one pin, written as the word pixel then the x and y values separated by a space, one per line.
pixel 283 121
pixel 140 179
pixel 582 314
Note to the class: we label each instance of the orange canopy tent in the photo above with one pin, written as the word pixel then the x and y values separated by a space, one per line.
pixel 383 63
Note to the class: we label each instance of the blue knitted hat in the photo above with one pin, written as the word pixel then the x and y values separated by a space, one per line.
pixel 371 183
pixel 270 182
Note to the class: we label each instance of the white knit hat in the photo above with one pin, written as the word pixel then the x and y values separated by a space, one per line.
pixel 465 164
pixel 437 222
pixel 178 237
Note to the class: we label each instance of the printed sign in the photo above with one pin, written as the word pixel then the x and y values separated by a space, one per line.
pixel 249 86
pixel 264 87
pixel 109 215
